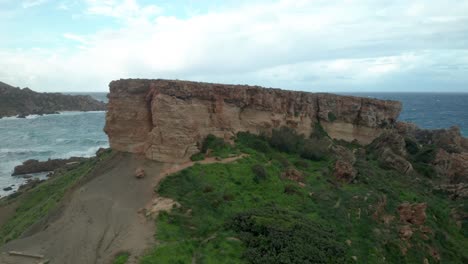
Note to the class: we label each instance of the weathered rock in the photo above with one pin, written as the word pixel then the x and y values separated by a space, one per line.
pixel 344 171
pixel 392 141
pixel 139 173
pixel 455 191
pixel 35 166
pixel 450 139
pixel 166 119
pixel 24 102
pixel 388 159
pixel 452 166
pixel 293 174
pixel 412 213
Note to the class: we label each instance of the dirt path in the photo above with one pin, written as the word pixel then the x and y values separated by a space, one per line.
pixel 99 220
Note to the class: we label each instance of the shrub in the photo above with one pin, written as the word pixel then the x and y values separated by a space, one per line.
pixel 314 149
pixel 291 189
pixel 255 142
pixel 286 139
pixel 279 236
pixel 212 142
pixel 331 116
pixel 424 169
pixel 197 157
pixel 319 131
pixel 260 173
pixel 302 164
pixel 425 155
pixel 411 146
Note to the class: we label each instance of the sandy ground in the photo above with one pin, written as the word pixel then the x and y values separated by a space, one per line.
pixel 97 220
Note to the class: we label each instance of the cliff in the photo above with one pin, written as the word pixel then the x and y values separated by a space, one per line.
pixel 166 120
pixel 23 102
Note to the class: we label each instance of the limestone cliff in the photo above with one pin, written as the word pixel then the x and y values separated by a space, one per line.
pixel 166 120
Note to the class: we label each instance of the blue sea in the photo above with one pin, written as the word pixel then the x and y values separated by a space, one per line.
pixel 81 133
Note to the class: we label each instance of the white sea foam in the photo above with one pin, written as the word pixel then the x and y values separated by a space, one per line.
pixel 89 152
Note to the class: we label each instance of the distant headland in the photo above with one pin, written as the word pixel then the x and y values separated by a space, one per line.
pixel 23 102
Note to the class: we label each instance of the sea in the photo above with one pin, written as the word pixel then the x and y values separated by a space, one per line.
pixel 81 133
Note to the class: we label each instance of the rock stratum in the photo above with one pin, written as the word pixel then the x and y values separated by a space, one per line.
pixel 166 120
pixel 23 102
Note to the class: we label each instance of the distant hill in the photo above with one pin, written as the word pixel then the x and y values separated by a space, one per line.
pixel 23 102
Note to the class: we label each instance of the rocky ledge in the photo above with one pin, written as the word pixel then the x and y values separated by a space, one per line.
pixel 166 120
pixel 35 166
pixel 24 102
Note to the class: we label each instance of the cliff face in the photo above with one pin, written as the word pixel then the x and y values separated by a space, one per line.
pixel 23 102
pixel 166 120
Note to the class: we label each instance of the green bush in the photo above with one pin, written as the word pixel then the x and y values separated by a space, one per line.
pixel 260 173
pixel 411 146
pixel 314 149
pixel 275 235
pixel 252 141
pixel 286 140
pixel 331 116
pixel 426 155
pixel 212 142
pixel 121 258
pixel 197 157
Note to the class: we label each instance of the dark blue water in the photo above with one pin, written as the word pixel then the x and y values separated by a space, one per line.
pixel 430 110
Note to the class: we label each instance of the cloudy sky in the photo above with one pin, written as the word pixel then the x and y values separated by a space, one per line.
pixel 311 45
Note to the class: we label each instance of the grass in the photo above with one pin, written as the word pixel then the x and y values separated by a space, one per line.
pixel 273 216
pixel 121 258
pixel 39 201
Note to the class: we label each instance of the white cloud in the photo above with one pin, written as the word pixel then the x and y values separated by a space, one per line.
pixel 128 10
pixel 33 3
pixel 315 45
pixel 75 37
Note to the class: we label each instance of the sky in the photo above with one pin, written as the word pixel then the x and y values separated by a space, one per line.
pixel 309 45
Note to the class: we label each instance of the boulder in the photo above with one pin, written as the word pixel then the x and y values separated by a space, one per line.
pixel 139 173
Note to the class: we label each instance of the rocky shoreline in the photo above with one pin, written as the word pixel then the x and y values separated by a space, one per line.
pixel 24 102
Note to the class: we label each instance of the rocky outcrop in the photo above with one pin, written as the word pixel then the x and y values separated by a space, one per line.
pixel 390 148
pixel 35 166
pixel 166 120
pixel 451 153
pixel 24 102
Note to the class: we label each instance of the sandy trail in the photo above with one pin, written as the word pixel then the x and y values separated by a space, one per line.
pixel 97 220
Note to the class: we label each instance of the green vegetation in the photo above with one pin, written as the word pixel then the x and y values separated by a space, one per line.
pixel 197 157
pixel 215 147
pixel 121 258
pixel 39 201
pixel 331 116
pixel 246 212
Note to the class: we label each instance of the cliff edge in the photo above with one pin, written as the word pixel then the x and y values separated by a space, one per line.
pixel 166 119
